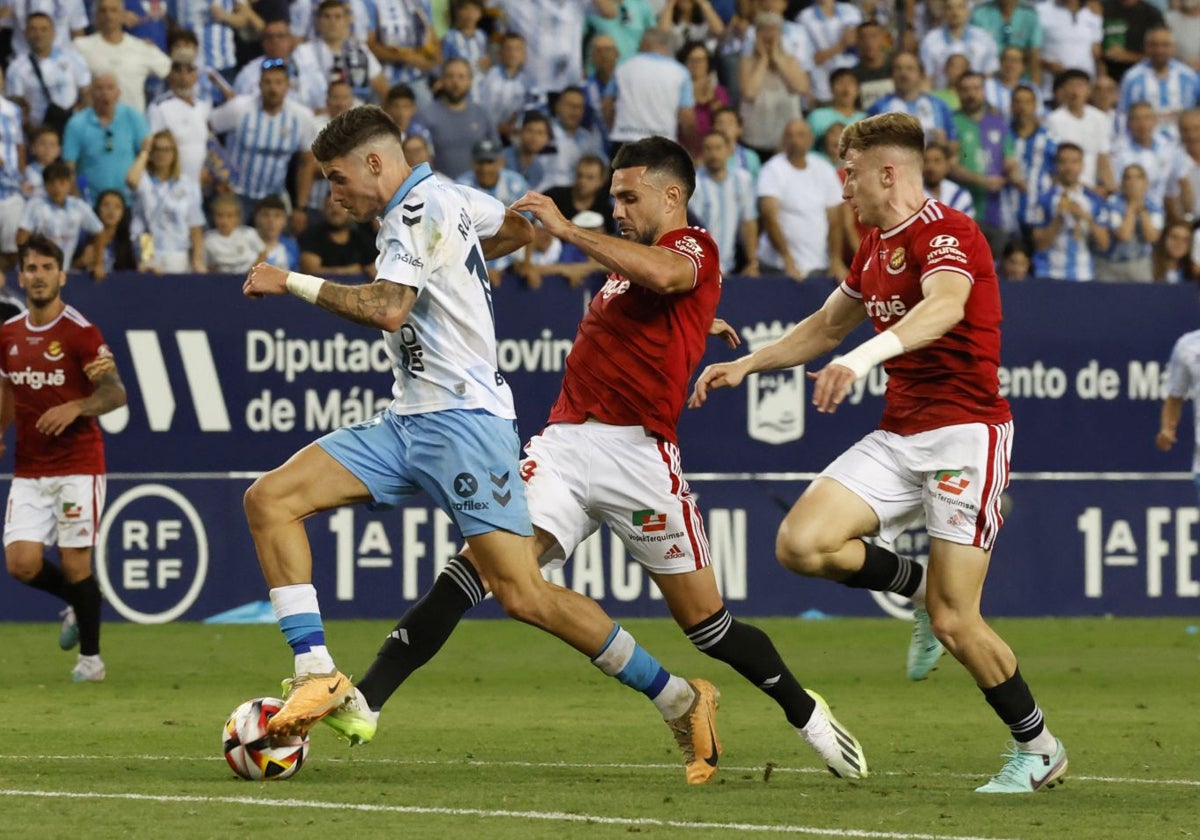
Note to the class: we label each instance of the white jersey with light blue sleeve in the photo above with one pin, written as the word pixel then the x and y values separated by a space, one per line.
pixel 444 355
pixel 1183 381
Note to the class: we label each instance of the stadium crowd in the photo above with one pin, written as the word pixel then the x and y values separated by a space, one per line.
pixel 173 136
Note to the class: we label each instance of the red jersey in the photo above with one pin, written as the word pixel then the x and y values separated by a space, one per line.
pixel 636 349
pixel 953 380
pixel 44 366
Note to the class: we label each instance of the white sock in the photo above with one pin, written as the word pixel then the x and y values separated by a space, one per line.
pixel 1044 744
pixel 316 661
pixel 675 698
pixel 918 597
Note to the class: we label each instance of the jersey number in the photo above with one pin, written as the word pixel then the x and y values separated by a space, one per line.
pixel 477 266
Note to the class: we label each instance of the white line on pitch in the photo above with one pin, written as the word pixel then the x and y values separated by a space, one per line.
pixel 472 762
pixel 547 816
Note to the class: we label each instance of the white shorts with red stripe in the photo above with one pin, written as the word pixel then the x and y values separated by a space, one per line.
pixel 578 476
pixel 953 476
pixel 63 510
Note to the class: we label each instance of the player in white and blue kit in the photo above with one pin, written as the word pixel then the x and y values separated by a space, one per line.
pixel 449 430
pixel 1183 383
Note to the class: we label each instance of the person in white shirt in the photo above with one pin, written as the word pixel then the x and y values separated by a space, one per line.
pixel 1148 146
pixel 1077 122
pixel 335 55
pixel 64 73
pixel 231 247
pixel 798 199
pixel 553 31
pixel 957 37
pixel 654 94
pixel 166 207
pixel 182 113
pixel 70 21
pixel 1071 36
pixel 130 59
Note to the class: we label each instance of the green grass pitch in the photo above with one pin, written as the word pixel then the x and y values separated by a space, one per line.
pixel 510 734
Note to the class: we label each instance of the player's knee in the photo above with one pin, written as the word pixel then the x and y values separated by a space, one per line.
pixel 952 627
pixel 260 501
pixel 21 568
pixel 521 601
pixel 802 548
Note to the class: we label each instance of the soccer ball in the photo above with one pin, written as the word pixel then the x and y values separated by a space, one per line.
pixel 248 748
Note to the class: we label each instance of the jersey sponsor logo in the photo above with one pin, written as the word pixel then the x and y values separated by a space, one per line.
pixel 54 351
pixel 690 246
pixel 465 485
pixel 775 399
pixel 945 240
pixel 408 259
pixel 947 253
pixel 951 481
pixel 528 468
pixel 614 285
pixel 412 353
pixel 895 264
pixel 649 520
pixel 886 310
pixel 37 379
pixel 70 510
pixel 674 553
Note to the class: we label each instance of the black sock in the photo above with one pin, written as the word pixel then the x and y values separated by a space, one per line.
pixel 883 571
pixel 51 579
pixel 422 631
pixel 85 598
pixel 751 653
pixel 1014 703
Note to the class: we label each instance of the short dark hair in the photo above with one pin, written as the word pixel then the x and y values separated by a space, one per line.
pixel 330 4
pixel 39 243
pixel 841 73
pixel 32 15
pixel 662 156
pixel 399 91
pixel 57 171
pixel 1068 147
pixel 270 202
pixel 346 132
pixel 531 117
pixel 1070 76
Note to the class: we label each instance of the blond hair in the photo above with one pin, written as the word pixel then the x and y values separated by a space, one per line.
pixel 173 169
pixel 897 130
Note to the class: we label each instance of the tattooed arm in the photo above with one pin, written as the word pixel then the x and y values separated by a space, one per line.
pixel 382 304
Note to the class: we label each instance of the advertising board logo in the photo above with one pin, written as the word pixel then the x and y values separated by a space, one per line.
pixel 152 554
pixel 775 410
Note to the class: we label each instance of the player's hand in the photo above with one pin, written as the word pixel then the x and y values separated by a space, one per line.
pixel 833 384
pixel 56 420
pixel 98 367
pixel 724 375
pixel 265 279
pixel 1165 440
pixel 545 211
pixel 721 329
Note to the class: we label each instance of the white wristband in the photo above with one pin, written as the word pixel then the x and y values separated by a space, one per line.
pixel 304 286
pixel 870 353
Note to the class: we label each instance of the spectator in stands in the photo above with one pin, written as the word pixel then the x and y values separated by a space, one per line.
pixel 708 94
pixel 61 73
pixel 626 22
pixel 1136 221
pixel 70 21
pixel 60 216
pixel 505 92
pixel 957 66
pixel 180 111
pixel 958 37
pixel 335 55
pixel 842 109
pixel 339 100
pixel 998 89
pixel 401 105
pixel 270 223
pixel 771 82
pixel 570 138
pixel 1013 25
pixel 466 40
pixel 1033 162
pixel 833 29
pixel 798 199
pixel 587 191
pixel 454 123
pixel 403 39
pixel 874 68
pixel 131 60
pixel 1172 261
pixel 264 133
pixel 278 43
pixel 301 17
pixel 1071 34
pixel 983 148
pixel 1170 86
pixel 600 87
pixel 938 186
pixel 935 117
pixel 167 208
pixel 47 148
pixel 654 95
pixel 725 200
pixel 417 150
pixel 1184 23
pixel 526 157
pixel 230 247
pixel 1087 127
pixel 729 123
pixel 1104 98
pixel 336 245
pixel 553 31
pixel 102 141
pixel 1126 23
pixel 113 246
pixel 1069 222
pixel 215 23
pixel 488 175
pixel 1183 187
pixel 1015 263
pixel 12 165
pixel 548 258
pixel 1151 149
pixel 691 20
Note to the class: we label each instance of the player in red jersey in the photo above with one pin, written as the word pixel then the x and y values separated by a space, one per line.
pixel 56 377
pixel 609 454
pixel 925 278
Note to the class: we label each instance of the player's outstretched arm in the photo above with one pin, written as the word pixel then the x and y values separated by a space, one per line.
pixel 515 232
pixel 381 304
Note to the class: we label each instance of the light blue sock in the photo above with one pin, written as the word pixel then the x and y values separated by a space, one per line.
pixel 622 657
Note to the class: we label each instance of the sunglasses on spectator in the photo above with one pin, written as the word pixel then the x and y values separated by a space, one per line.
pixel 108 140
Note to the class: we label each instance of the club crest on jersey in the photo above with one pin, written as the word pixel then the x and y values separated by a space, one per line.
pixel 895 265
pixel 54 351
pixel 775 409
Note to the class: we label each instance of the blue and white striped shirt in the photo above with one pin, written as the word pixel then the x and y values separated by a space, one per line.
pixel 1158 159
pixel 1000 97
pixel 1069 256
pixel 61 223
pixel 457 45
pixel 825 31
pixel 502 95
pixel 976 44
pixel 722 207
pixel 217 47
pixel 931 112
pixel 1035 155
pixel 1137 248
pixel 12 138
pixel 64 71
pixel 953 194
pixel 261 145
pixel 302 18
pixel 1178 91
pixel 401 23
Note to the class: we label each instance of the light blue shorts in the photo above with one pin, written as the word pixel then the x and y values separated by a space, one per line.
pixel 466 460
